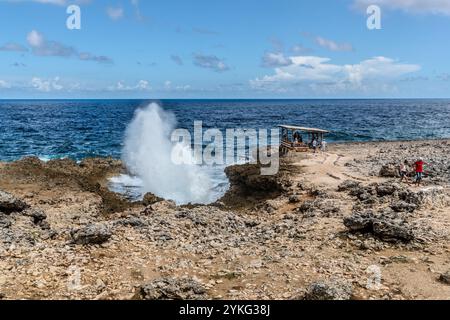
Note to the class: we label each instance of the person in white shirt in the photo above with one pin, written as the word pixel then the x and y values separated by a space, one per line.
pixel 404 168
pixel 324 146
pixel 314 145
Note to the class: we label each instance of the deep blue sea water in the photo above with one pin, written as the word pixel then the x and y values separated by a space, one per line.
pixel 86 128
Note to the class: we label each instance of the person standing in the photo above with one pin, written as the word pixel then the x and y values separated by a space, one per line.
pixel 404 168
pixel 323 146
pixel 314 145
pixel 418 168
pixel 297 137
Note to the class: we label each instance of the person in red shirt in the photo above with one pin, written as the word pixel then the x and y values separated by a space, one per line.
pixel 418 167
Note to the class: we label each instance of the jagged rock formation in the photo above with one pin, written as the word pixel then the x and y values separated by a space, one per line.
pixel 172 289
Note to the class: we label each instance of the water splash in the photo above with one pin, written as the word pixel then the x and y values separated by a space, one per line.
pixel 147 155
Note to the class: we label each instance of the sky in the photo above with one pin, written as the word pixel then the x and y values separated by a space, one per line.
pixel 224 49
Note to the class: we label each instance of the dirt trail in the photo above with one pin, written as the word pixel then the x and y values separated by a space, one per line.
pixel 325 169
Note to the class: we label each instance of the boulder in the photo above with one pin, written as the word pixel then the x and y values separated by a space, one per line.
pixel 348 185
pixel 387 189
pixel 429 197
pixel 367 198
pixel 10 204
pixel 91 234
pixel 172 289
pixel 389 171
pixel 150 199
pixel 36 214
pixel 330 290
pixel 163 206
pixel 392 230
pixel 248 177
pixel 248 187
pixel 445 277
pixel 361 221
pixel 386 226
pixel 402 206
pixel 39 217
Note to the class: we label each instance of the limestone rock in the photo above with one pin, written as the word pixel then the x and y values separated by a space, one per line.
pixel 9 203
pixel 385 225
pixel 330 290
pixel 348 185
pixel 172 289
pixel 150 199
pixel 294 198
pixel 402 206
pixel 91 234
pixel 389 171
pixel 445 277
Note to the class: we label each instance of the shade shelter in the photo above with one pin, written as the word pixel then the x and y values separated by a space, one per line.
pixel 299 139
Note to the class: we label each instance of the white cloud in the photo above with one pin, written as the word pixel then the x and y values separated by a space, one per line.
pixel 168 86
pixel 275 59
pixel 332 45
pixel 13 47
pixel 4 84
pixel 35 39
pixel 319 73
pixel 410 6
pixel 183 87
pixel 210 62
pixel 114 13
pixel 142 85
pixel 43 47
pixel 298 48
pixel 46 85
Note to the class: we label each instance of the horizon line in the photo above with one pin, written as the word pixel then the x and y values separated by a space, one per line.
pixel 159 99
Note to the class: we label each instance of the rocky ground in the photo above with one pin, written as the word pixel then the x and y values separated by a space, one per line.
pixel 337 225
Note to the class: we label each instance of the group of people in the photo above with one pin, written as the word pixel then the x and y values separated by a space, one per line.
pixel 315 144
pixel 416 169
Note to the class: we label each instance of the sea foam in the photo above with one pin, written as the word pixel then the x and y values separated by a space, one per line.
pixel 147 155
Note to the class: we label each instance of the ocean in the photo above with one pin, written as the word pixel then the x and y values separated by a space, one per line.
pixel 89 128
pixel 77 129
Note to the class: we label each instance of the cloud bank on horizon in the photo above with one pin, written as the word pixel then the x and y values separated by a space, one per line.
pixel 137 49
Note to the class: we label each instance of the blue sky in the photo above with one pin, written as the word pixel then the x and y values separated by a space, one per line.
pixel 224 49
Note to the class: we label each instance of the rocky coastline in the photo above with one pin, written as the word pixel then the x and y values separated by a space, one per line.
pixel 335 225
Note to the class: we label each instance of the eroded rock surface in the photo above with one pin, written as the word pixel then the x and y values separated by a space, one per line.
pixel 9 203
pixel 329 290
pixel 318 230
pixel 172 289
pixel 91 234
